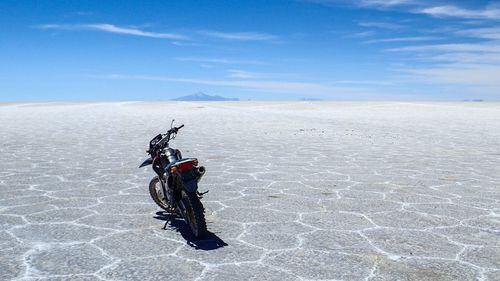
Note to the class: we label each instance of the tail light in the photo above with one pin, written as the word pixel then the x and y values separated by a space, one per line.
pixel 183 167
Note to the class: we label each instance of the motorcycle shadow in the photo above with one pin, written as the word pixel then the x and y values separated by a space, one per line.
pixel 210 242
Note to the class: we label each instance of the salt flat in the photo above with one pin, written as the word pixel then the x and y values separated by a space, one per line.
pixel 298 191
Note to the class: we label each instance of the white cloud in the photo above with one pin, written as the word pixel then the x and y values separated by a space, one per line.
pixel 463 67
pixel 218 60
pixel 455 66
pixel 106 27
pixel 382 25
pixel 490 12
pixel 456 55
pixel 261 85
pixel 454 11
pixel 484 33
pixel 206 65
pixel 362 34
pixel 484 47
pixel 365 82
pixel 240 36
pixel 404 39
pixel 466 58
pixel 460 74
pixel 237 73
pixel 385 3
pixel 366 3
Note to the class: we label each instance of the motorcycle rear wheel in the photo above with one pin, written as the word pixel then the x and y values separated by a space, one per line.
pixel 195 213
pixel 156 192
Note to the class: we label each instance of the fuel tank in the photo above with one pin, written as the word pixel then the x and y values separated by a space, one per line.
pixel 172 155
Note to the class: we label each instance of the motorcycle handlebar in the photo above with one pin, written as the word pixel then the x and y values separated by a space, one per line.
pixel 175 129
pixel 167 136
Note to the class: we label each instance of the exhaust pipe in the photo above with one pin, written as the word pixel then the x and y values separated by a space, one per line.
pixel 200 171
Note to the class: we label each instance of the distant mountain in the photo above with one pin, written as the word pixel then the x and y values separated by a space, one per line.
pixel 203 97
pixel 474 100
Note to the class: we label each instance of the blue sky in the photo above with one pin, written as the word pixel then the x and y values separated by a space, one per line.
pixel 259 50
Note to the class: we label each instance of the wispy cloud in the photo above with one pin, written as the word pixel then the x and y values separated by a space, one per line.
pixel 490 12
pixel 362 34
pixel 485 47
pixel 454 11
pixel 465 58
pixel 455 66
pixel 364 82
pixel 365 3
pixel 261 85
pixel 240 36
pixel 382 25
pixel 219 60
pixel 238 73
pixel 106 27
pixel 244 74
pixel 111 28
pixel 384 3
pixel 460 74
pixel 492 33
pixel 404 39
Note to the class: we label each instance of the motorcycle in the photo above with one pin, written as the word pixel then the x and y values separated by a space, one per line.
pixel 175 188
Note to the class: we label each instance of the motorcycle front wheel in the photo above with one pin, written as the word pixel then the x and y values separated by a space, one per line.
pixel 156 192
pixel 194 213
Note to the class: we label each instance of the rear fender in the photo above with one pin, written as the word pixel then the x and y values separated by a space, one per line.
pixel 189 180
pixel 191 185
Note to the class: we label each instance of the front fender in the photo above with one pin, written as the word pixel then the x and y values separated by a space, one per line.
pixel 146 162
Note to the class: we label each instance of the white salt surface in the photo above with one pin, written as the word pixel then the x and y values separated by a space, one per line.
pixel 298 191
